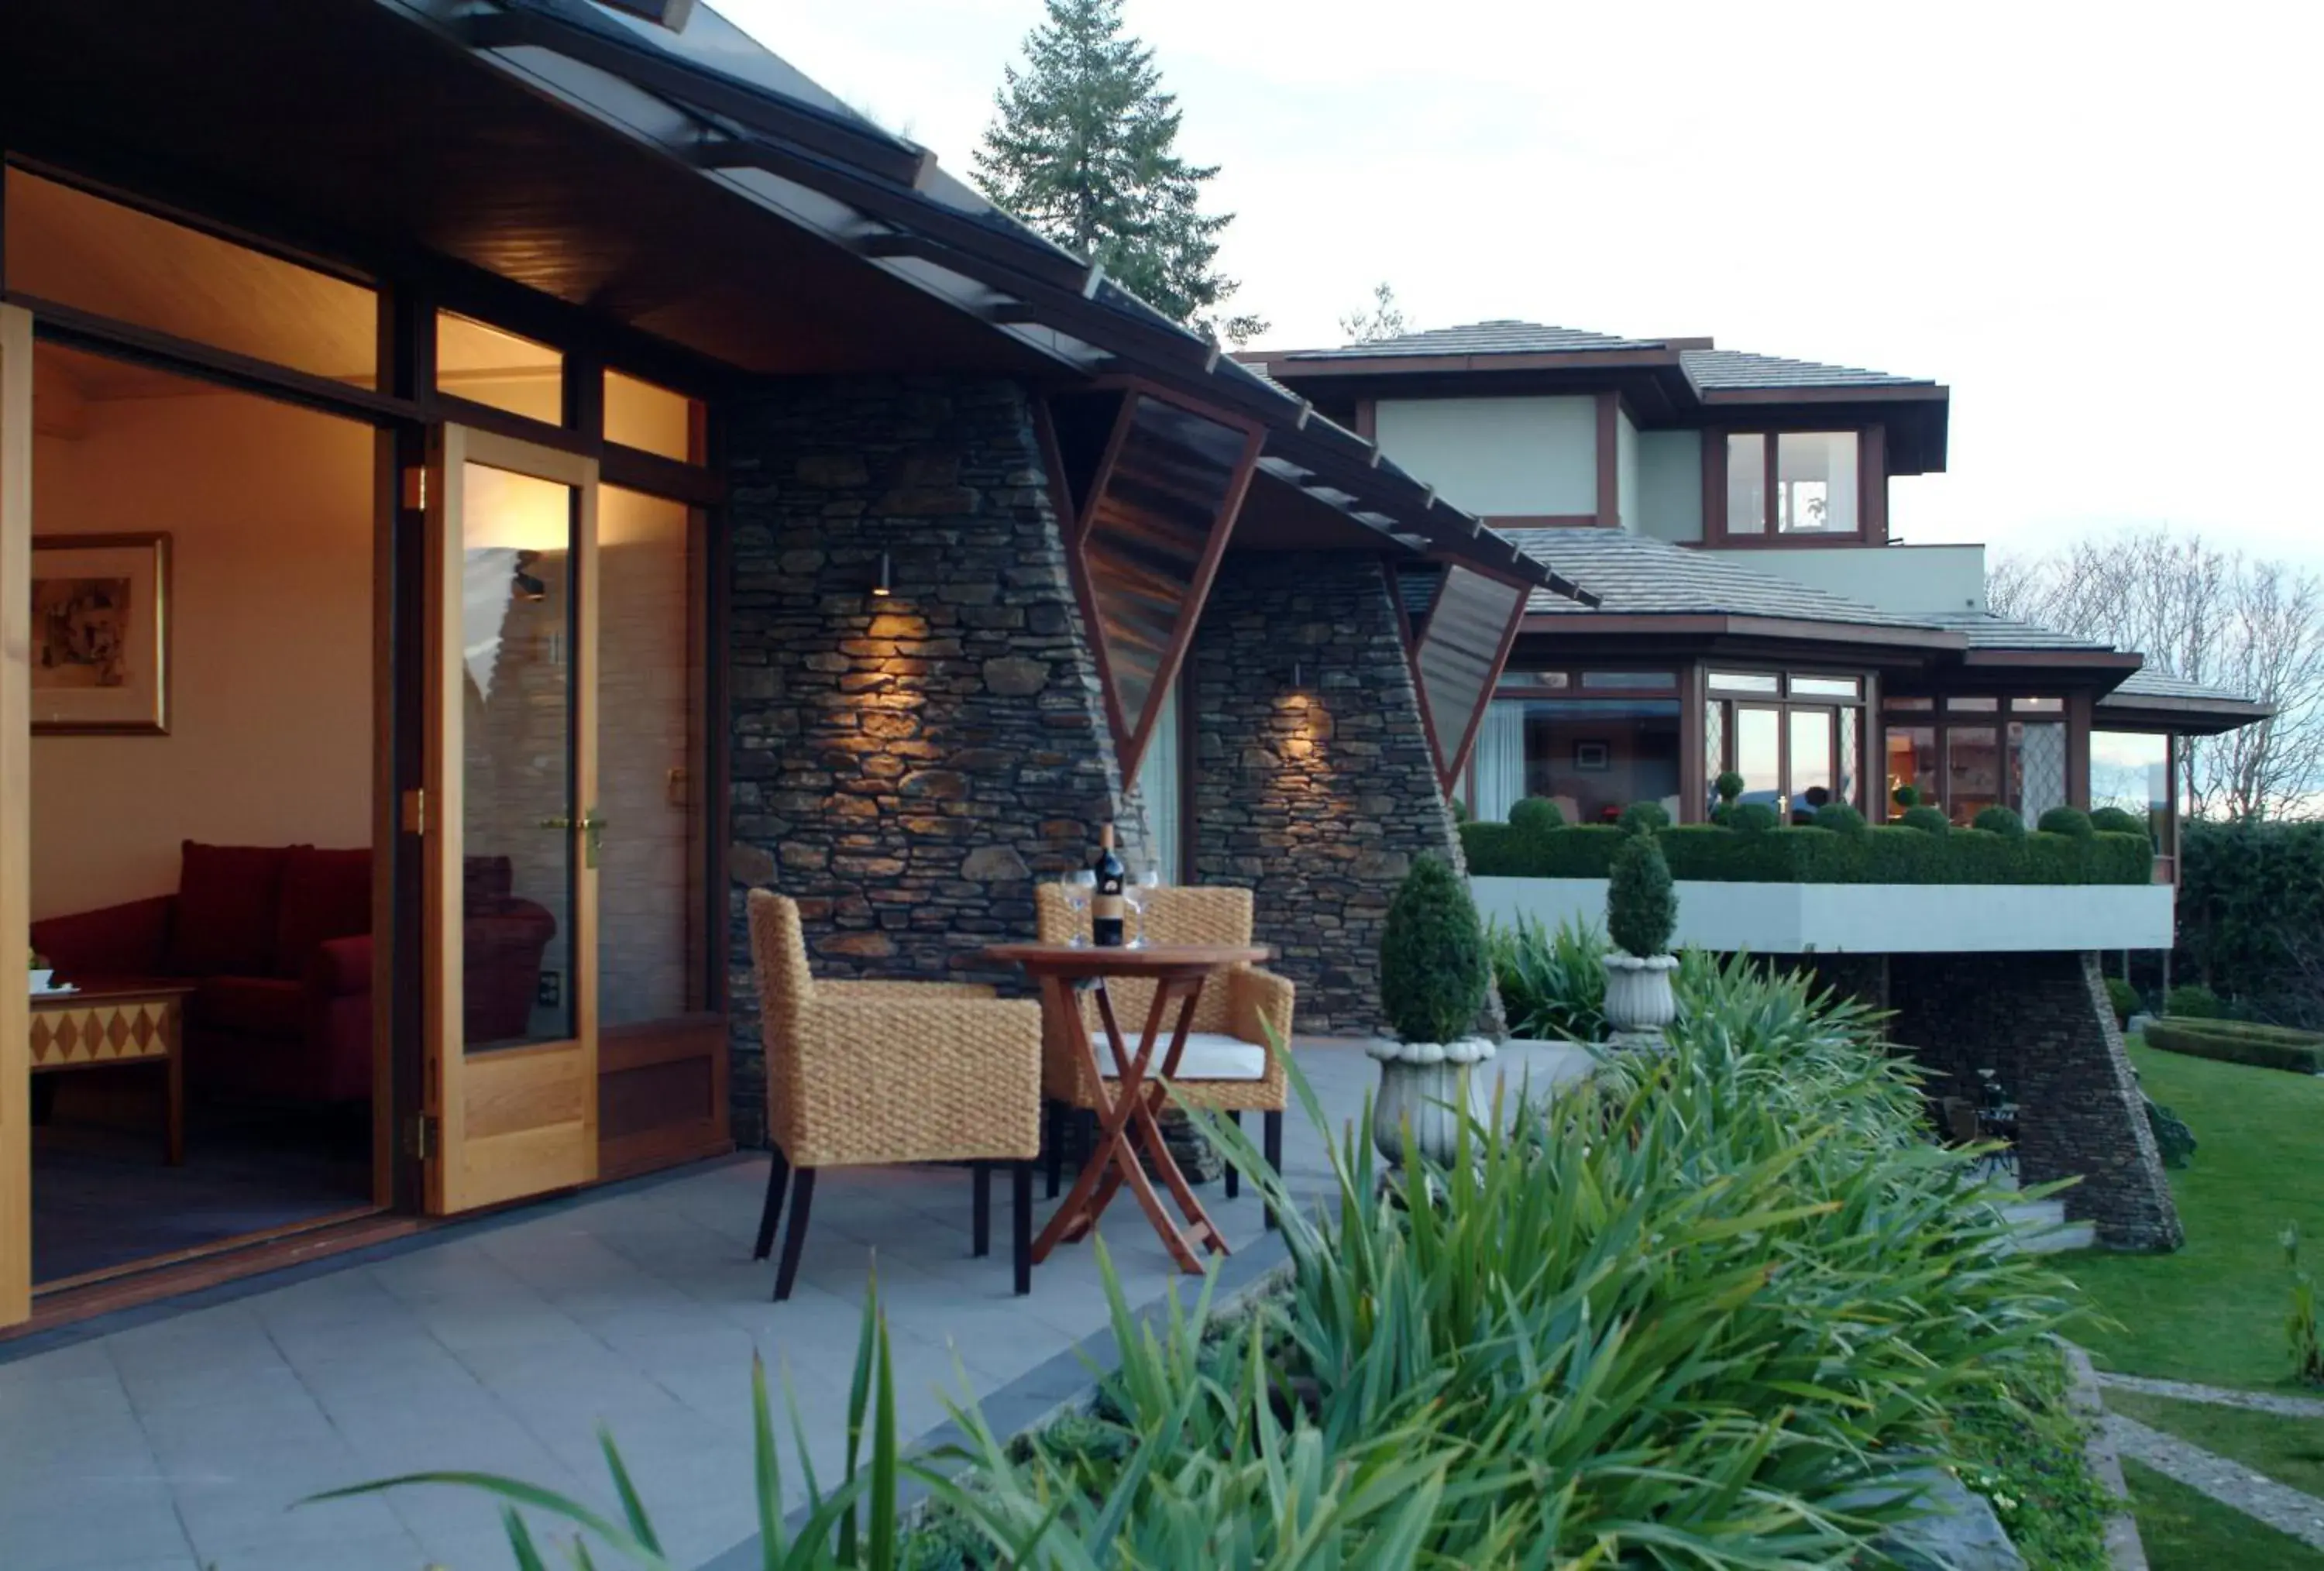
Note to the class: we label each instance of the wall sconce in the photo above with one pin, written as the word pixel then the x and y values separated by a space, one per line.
pixel 1298 676
pixel 882 586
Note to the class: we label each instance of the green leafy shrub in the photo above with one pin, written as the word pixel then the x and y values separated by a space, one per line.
pixel 1641 905
pixel 2066 821
pixel 1459 809
pixel 1926 821
pixel 1645 816
pixel 2239 1042
pixel 1434 970
pixel 2173 1141
pixel 1905 796
pixel 2000 821
pixel 2194 1001
pixel 1727 786
pixel 1552 981
pixel 1883 854
pixel 2124 999
pixel 1752 818
pixel 1536 814
pixel 2117 821
pixel 1841 819
pixel 2023 1453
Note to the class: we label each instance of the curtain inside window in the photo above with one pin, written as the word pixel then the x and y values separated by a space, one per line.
pixel 1159 786
pixel 1497 770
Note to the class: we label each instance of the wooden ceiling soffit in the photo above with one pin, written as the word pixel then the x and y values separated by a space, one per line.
pixel 1145 545
pixel 1457 660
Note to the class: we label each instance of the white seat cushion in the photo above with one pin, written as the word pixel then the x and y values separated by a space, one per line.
pixel 1208 1055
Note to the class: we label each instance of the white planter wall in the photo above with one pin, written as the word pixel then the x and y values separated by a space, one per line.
pixel 1869 919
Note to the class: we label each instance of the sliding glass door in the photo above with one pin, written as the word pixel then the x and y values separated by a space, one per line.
pixel 15 797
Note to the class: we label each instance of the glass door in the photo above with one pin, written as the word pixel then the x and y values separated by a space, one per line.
pixel 15 797
pixel 1759 755
pixel 511 822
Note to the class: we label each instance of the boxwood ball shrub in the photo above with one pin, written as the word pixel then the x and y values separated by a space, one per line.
pixel 1646 816
pixel 2194 1001
pixel 1905 796
pixel 1536 814
pixel 1752 817
pixel 2000 821
pixel 2066 821
pixel 1841 819
pixel 1728 785
pixel 1641 905
pixel 1433 967
pixel 1927 820
pixel 2116 821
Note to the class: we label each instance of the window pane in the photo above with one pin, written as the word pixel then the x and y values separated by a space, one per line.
pixel 2037 767
pixel 1516 678
pixel 1158 786
pixel 2039 706
pixel 1972 770
pixel 94 256
pixel 1824 688
pixel 1974 705
pixel 1815 474
pixel 1811 764
pixel 1911 705
pixel 1596 757
pixel 1456 654
pixel 1746 483
pixel 648 773
pixel 1758 753
pixel 2132 772
pixel 637 414
pixel 1628 680
pixel 486 366
pixel 1496 764
pixel 1912 762
pixel 1846 789
pixel 1766 682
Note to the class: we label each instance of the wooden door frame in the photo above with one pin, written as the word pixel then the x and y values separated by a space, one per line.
pixel 452 1087
pixel 16 807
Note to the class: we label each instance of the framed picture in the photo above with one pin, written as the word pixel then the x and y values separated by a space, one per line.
pixel 101 634
pixel 1592 756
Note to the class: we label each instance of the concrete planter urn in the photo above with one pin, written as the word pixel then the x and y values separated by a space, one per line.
pixel 1431 1083
pixel 1638 999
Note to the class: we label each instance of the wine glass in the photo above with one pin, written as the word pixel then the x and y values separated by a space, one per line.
pixel 1139 896
pixel 1081 887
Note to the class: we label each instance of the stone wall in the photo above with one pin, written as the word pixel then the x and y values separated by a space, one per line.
pixel 1317 796
pixel 904 767
pixel 2042 1024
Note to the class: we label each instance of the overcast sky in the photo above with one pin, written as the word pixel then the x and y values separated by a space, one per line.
pixel 2099 230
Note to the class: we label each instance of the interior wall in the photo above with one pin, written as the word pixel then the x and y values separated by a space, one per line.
pixel 269 508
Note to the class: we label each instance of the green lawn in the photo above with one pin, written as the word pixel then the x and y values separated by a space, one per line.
pixel 2184 1530
pixel 2214 1311
pixel 2286 1449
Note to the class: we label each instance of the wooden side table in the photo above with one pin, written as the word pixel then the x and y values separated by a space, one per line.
pixel 1127 1123
pixel 118 1020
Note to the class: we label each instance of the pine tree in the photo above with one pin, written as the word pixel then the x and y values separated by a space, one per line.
pixel 1084 149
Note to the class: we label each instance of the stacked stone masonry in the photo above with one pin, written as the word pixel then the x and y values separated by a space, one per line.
pixel 905 766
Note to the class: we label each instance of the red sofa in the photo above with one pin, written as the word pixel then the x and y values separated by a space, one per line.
pixel 278 940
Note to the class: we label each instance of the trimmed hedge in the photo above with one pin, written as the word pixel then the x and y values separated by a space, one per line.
pixel 2232 1041
pixel 1883 854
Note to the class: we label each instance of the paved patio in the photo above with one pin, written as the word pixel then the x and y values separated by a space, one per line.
pixel 183 1440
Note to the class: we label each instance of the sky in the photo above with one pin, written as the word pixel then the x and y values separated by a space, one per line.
pixel 2096 225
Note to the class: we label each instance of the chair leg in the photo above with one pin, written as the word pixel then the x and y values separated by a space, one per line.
pixel 778 1177
pixel 1234 1174
pixel 795 1235
pixel 982 1229
pixel 1271 1145
pixel 1056 1155
pixel 1021 1225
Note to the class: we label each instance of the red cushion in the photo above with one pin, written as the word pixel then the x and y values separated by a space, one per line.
pixel 226 900
pixel 326 895
pixel 251 1007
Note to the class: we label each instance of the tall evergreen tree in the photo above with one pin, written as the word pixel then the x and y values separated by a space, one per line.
pixel 1083 149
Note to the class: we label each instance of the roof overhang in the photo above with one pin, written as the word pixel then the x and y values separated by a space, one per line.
pixel 2188 716
pixel 1920 642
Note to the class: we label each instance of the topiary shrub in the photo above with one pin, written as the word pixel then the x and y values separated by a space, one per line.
pixel 1905 796
pixel 1927 820
pixel 1841 819
pixel 2066 821
pixel 1645 818
pixel 1751 817
pixel 1727 786
pixel 1537 814
pixel 2116 821
pixel 2000 821
pixel 1433 965
pixel 1641 905
pixel 2124 999
pixel 2194 1001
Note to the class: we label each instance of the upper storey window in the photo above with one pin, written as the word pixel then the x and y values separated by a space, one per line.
pixel 1793 483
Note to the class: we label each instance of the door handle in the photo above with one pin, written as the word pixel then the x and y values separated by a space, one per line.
pixel 592 825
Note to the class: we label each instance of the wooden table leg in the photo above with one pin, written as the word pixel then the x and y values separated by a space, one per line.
pixel 1153 1095
pixel 176 1138
pixel 1073 1215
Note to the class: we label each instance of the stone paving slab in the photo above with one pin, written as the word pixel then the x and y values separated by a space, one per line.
pixel 185 1439
pixel 2280 1506
pixel 2217 1396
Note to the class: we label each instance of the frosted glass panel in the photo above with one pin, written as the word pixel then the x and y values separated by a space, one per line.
pixel 1161 787
pixel 1458 652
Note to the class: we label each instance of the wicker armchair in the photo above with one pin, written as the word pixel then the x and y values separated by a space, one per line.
pixel 867 1073
pixel 1227 1065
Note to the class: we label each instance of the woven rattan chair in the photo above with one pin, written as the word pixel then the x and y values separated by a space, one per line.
pixel 1227 1065
pixel 870 1074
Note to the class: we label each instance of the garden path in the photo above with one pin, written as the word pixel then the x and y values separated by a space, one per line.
pixel 2218 1396
pixel 2280 1506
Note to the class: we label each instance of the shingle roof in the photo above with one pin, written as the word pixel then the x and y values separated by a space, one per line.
pixel 1718 370
pixel 1984 630
pixel 1638 574
pixel 2147 682
pixel 1494 337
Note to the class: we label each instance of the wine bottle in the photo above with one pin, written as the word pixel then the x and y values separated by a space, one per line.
pixel 1106 903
